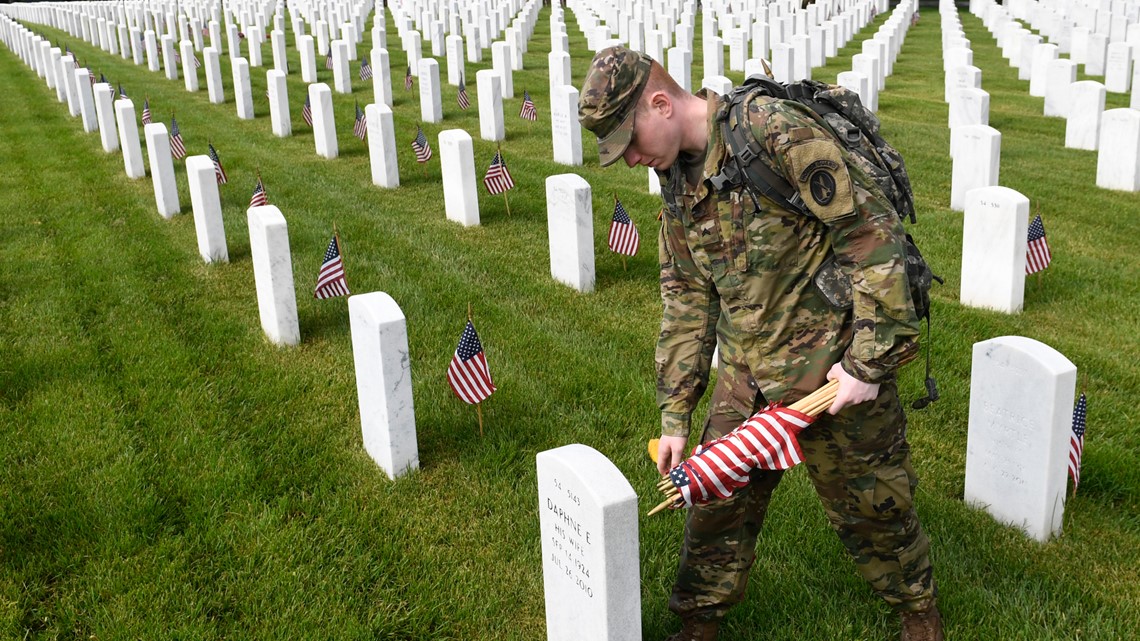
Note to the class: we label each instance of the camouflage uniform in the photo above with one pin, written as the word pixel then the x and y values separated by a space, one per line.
pixel 752 279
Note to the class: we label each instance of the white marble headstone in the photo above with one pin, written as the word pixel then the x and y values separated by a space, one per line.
pixel 489 85
pixel 273 274
pixel 590 559
pixel 977 159
pixel 1086 107
pixel 994 232
pixel 105 113
pixel 565 130
pixel 1118 160
pixel 384 381
pixel 1021 402
pixel 207 206
pixel 324 124
pixel 457 161
pixel 569 214
pixel 129 138
pixel 161 169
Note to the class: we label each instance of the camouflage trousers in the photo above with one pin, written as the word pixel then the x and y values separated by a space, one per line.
pixel 859 462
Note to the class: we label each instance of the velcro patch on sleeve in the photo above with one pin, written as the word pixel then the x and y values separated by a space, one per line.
pixel 822 178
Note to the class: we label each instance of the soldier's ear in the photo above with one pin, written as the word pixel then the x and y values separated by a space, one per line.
pixel 660 102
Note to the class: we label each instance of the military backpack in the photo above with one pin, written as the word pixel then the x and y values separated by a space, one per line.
pixel 842 114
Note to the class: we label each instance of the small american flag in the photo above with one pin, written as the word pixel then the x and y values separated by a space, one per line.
pixel 197 62
pixel 408 79
pixel 767 441
pixel 1037 256
pixel 146 111
pixel 259 198
pixel 122 93
pixel 307 112
pixel 467 374
pixel 91 77
pixel 623 234
pixel 365 70
pixel 218 171
pixel 102 79
pixel 330 279
pixel 421 146
pixel 498 179
pixel 360 127
pixel 328 60
pixel 1077 440
pixel 528 111
pixel 177 147
pixel 177 58
pixel 464 101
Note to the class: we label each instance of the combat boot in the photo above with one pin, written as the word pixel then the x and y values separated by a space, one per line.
pixel 696 630
pixel 922 626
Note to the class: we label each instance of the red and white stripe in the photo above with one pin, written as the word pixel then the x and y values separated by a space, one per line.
pixel 1037 256
pixel 470 379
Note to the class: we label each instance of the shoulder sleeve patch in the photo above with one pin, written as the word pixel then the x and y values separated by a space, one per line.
pixel 821 178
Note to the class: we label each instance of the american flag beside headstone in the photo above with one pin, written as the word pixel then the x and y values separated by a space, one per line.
pixel 307 112
pixel 219 172
pixel 498 178
pixel 365 69
pixel 462 98
pixel 421 146
pixel 259 197
pixel 328 60
pixel 1077 440
pixel 1037 256
pixel 146 111
pixel 528 112
pixel 623 234
pixel 360 126
pixel 177 146
pixel 330 278
pixel 122 93
pixel 468 374
pixel 408 79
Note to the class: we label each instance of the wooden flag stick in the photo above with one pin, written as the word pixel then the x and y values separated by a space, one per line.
pixel 507 202
pixel 479 411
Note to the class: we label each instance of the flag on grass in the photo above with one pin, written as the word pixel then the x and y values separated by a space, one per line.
pixel 259 198
pixel 330 279
pixel 623 234
pixel 146 111
pixel 177 147
pixel 464 101
pixel 360 127
pixel 498 179
pixel 1077 440
pixel 1037 256
pixel 122 94
pixel 408 79
pixel 365 69
pixel 218 171
pixel 528 111
pixel 307 112
pixel 328 60
pixel 421 146
pixel 467 374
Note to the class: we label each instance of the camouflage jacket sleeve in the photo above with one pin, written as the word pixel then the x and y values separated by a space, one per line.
pixel 865 232
pixel 688 331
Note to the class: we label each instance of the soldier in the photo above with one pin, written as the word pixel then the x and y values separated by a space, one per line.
pixel 769 285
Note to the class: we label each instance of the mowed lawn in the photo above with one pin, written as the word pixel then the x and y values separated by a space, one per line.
pixel 166 473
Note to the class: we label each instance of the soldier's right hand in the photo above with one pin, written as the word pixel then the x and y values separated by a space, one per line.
pixel 670 451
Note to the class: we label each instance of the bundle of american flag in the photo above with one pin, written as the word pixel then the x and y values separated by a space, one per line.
pixel 767 441
pixel 528 111
pixel 360 126
pixel 330 279
pixel 421 146
pixel 623 235
pixel 498 178
pixel 1037 255
pixel 177 146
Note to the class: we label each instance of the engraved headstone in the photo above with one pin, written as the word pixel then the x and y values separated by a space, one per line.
pixel 569 215
pixel 161 169
pixel 324 125
pixel 994 232
pixel 382 146
pixel 1086 107
pixel 273 274
pixel 977 158
pixel 1021 399
pixel 490 105
pixel 565 130
pixel 279 117
pixel 1118 161
pixel 590 564
pixel 457 160
pixel 129 138
pixel 206 204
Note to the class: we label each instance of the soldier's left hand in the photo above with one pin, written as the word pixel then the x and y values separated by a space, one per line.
pixel 852 391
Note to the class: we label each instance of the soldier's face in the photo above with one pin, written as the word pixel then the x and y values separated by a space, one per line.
pixel 654 143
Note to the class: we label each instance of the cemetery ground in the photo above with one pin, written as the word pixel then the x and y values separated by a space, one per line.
pixel 166 473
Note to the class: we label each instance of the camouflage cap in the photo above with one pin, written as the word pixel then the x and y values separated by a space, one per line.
pixel 613 85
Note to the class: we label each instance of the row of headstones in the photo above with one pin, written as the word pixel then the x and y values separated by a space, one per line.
pixel 1115 133
pixel 1021 392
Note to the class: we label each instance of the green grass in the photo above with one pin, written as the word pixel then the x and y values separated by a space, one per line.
pixel 167 474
